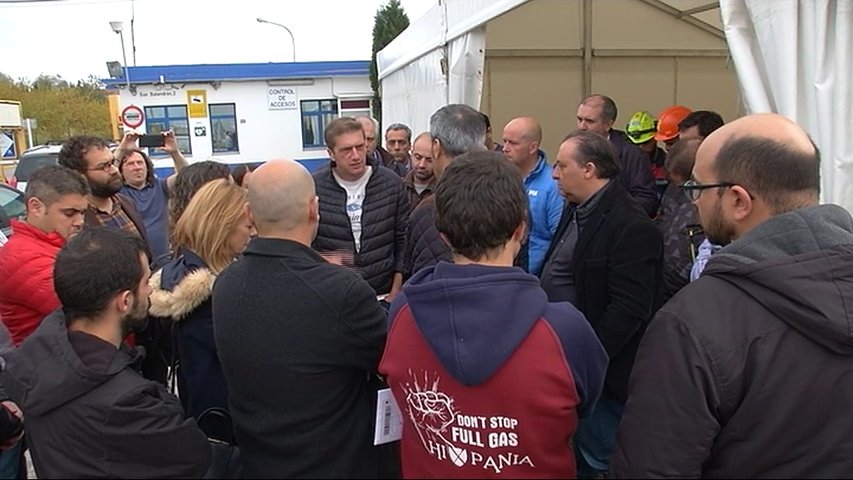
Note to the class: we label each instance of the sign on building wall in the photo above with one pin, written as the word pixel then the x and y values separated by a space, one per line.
pixel 197 103
pixel 281 98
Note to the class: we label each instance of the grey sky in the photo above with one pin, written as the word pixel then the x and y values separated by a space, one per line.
pixel 72 38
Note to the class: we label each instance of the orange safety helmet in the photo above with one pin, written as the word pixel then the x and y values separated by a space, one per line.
pixel 668 121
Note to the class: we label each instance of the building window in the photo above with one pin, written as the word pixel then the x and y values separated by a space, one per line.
pixel 355 107
pixel 223 126
pixel 316 114
pixel 169 117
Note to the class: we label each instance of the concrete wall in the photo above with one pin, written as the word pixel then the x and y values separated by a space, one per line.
pixel 643 58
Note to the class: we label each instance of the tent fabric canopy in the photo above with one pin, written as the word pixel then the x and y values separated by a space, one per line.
pixel 790 59
pixel 788 54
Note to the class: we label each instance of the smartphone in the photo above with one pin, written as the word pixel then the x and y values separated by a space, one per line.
pixel 156 140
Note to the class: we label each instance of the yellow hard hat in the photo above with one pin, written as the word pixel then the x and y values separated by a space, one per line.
pixel 641 127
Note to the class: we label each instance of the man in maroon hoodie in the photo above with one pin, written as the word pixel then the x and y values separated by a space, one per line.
pixel 489 376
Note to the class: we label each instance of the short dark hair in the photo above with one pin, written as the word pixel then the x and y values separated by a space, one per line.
pixel 72 151
pixel 458 128
pixel 681 157
pixel 480 202
pixel 239 173
pixel 50 182
pixel 149 165
pixel 94 266
pixel 339 126
pixel 707 121
pixel 770 170
pixel 608 109
pixel 595 149
pixel 188 181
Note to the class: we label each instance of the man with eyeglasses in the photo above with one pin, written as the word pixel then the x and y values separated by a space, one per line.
pixel 745 373
pixel 91 157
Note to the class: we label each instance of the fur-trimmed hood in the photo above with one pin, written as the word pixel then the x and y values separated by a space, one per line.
pixel 193 290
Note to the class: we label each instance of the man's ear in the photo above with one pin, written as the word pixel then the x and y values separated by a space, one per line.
pixel 740 202
pixel 248 212
pixel 124 301
pixel 314 209
pixel 436 148
pixel 34 205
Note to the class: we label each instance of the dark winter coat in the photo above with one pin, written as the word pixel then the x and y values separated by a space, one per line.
pixel 384 219
pixel 634 172
pixel 300 341
pixel 84 423
pixel 746 372
pixel 181 293
pixel 617 265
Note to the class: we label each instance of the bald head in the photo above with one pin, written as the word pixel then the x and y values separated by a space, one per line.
pixel 769 155
pixel 280 194
pixel 528 127
pixel 521 138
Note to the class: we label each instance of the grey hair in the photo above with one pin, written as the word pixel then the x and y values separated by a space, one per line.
pixel 459 128
pixel 375 122
pixel 400 126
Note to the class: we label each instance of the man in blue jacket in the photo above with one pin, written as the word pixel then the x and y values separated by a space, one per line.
pixel 522 137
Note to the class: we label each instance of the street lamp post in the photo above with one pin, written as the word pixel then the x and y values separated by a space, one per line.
pixel 292 40
pixel 118 27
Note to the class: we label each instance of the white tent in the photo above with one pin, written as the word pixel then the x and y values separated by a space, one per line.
pixel 787 53
pixel 792 57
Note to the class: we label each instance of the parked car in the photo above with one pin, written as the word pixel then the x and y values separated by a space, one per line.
pixel 12 205
pixel 31 160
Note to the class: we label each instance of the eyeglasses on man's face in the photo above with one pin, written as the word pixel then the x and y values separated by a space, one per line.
pixel 105 166
pixel 693 189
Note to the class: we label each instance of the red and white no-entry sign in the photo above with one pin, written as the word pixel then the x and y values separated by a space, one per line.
pixel 132 116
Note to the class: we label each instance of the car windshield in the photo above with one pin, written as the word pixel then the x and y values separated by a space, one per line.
pixel 11 205
pixel 30 163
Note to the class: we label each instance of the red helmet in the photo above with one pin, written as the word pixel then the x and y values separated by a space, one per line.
pixel 668 121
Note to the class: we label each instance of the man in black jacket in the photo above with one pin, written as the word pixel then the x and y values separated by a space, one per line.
pixel 455 129
pixel 745 372
pixel 597 113
pixel 606 260
pixel 300 341
pixel 89 413
pixel 364 210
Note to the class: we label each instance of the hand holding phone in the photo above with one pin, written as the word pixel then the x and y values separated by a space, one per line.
pixel 155 140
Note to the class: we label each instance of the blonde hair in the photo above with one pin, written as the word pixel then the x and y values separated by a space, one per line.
pixel 212 214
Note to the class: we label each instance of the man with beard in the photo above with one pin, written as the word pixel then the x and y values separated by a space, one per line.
pixel 89 414
pixel 92 158
pixel 421 181
pixel 743 374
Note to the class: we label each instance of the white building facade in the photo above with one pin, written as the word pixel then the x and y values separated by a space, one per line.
pixel 243 113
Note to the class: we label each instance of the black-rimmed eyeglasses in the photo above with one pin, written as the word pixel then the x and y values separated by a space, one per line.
pixel 693 189
pixel 106 166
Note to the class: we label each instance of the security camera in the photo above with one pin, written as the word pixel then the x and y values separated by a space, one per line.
pixel 117 26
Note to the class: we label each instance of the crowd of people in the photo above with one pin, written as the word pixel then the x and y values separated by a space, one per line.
pixel 665 300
